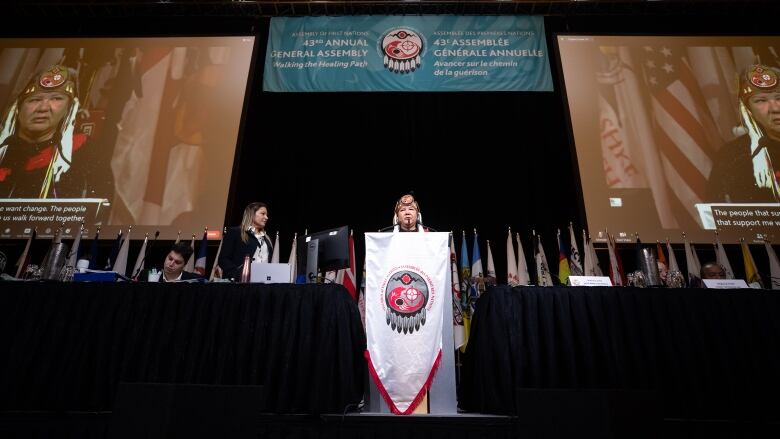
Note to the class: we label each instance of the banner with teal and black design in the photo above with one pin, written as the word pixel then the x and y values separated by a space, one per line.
pixel 407 53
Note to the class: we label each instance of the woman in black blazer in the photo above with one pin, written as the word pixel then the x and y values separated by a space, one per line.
pixel 249 239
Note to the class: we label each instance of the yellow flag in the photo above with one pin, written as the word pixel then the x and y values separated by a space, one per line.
pixel 751 273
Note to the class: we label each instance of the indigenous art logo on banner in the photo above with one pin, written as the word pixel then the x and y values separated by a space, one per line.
pixel 402 49
pixel 408 295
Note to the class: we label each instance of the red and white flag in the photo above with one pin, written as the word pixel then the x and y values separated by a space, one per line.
pixel 406 276
pixel 158 156
pixel 346 276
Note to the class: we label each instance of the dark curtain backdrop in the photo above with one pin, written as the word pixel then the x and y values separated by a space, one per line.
pixel 474 159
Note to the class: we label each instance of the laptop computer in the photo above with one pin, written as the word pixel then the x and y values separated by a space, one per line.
pixel 268 273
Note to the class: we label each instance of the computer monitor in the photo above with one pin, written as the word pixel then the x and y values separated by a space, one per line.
pixel 331 248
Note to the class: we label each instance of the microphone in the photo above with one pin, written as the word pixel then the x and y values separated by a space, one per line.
pixel 418 223
pixel 148 249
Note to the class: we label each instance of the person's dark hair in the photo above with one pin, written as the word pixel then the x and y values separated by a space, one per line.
pixel 184 249
pixel 705 266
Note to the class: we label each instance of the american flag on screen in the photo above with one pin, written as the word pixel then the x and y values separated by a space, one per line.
pixel 683 126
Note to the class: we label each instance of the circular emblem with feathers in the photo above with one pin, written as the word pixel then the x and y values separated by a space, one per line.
pixel 406 295
pixel 402 48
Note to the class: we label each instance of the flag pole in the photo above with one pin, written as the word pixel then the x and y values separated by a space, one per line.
pixel 216 258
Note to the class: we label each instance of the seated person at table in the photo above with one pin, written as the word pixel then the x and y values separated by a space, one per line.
pixel 173 266
pixel 250 238
pixel 713 270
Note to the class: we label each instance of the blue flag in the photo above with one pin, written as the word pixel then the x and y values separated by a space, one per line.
pixel 465 273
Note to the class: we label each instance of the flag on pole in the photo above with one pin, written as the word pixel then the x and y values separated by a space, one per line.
pixel 774 265
pixel 346 276
pixel 490 278
pixel 120 265
pixel 537 261
pixel 672 259
pixel 24 258
pixel 190 266
pixel 615 263
pixel 751 272
pixel 200 264
pixel 511 265
pixel 55 240
pixel 293 259
pixel 115 251
pixel 542 267
pixel 275 256
pixel 216 258
pixel 692 264
pixel 721 258
pixel 458 329
pixel 477 274
pixel 575 265
pixel 638 256
pixel 140 260
pixel 588 261
pixel 592 266
pixel 465 269
pixel 465 290
pixel 661 256
pixel 362 297
pixel 93 251
pixel 563 262
pixel 73 256
pixel 523 278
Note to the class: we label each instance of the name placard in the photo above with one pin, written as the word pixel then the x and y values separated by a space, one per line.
pixel 590 281
pixel 725 283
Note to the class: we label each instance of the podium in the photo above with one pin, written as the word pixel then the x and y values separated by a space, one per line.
pixel 442 397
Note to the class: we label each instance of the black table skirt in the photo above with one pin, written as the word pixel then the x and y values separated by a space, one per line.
pixel 711 354
pixel 67 346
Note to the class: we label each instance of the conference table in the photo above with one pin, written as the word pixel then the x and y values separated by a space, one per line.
pixel 707 354
pixel 67 346
pixel 711 354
